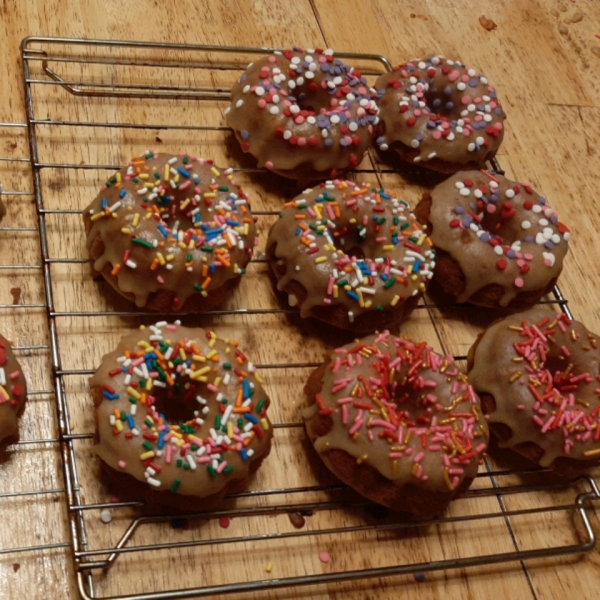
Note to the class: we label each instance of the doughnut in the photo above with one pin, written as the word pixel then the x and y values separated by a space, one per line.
pixel 13 394
pixel 180 416
pixel 171 233
pixel 439 114
pixel 537 374
pixel 396 422
pixel 498 243
pixel 351 255
pixel 303 114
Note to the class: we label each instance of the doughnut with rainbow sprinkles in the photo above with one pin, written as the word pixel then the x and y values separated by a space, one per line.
pixel 181 416
pixel 173 233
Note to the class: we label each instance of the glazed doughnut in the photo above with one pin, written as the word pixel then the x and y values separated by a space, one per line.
pixel 537 374
pixel 171 233
pixel 396 422
pixel 303 114
pixel 181 411
pixel 440 114
pixel 13 394
pixel 351 255
pixel 498 243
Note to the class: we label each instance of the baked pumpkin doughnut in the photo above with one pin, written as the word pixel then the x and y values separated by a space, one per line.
pixel 303 114
pixel 171 233
pixel 396 422
pixel 439 114
pixel 183 412
pixel 498 243
pixel 13 394
pixel 351 255
pixel 537 374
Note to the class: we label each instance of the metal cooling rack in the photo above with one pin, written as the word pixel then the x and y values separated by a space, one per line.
pixel 28 545
pixel 48 57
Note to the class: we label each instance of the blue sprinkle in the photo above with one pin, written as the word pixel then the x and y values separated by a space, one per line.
pixel 161 440
pixel 449 105
pixel 473 82
pixel 417 265
pixel 131 422
pixel 246 388
pixel 104 203
pixel 511 254
pixel 162 230
pixel 244 454
pixel 183 172
pixel 448 91
pixel 251 418
pixel 122 194
pixel 437 103
pixel 328 142
pixel 233 223
pixel 384 277
pixel 353 295
pixel 459 210
pixel 549 245
pixel 244 134
pixel 420 577
pixel 110 396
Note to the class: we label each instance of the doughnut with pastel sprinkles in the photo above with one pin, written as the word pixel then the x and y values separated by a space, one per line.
pixel 173 233
pixel 397 422
pixel 13 394
pixel 351 255
pixel 303 114
pixel 180 416
pixel 498 243
pixel 538 375
pixel 439 114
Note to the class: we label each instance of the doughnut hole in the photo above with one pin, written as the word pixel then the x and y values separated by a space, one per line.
pixel 178 407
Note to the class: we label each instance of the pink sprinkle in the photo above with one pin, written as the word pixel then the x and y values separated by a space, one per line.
pixel 324 557
pixel 122 464
pixel 521 406
pixel 519 282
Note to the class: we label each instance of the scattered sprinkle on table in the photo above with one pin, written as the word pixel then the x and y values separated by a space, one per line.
pixel 420 577
pixel 106 516
pixel 269 567
pixel 324 557
pixel 224 522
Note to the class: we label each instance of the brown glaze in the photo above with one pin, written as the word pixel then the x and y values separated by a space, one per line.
pixel 396 422
pixel 153 242
pixel 498 242
pixel 537 372
pixel 440 114
pixel 207 412
pixel 351 255
pixel 303 114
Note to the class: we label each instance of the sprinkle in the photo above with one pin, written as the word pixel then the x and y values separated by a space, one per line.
pixel 106 516
pixel 324 556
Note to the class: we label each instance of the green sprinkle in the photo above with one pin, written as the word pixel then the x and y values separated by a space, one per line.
pixel 186 467
pixel 226 366
pixel 132 400
pixel 389 283
pixel 379 308
pixel 404 225
pixel 342 283
pixel 194 447
pixel 147 445
pixel 188 258
pixel 260 405
pixel 186 160
pixel 197 287
pixel 396 220
pixel 149 155
pixel 223 188
pixel 218 422
pixel 228 469
pixel 176 485
pixel 206 248
pixel 212 472
pixel 179 462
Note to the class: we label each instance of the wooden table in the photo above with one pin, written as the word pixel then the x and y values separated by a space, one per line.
pixel 544 59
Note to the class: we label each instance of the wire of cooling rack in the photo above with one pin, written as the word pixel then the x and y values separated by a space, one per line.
pixel 48 57
pixel 46 492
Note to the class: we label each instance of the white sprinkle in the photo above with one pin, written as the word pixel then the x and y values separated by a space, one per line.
pixel 153 482
pixel 510 193
pixel 106 516
pixel 525 224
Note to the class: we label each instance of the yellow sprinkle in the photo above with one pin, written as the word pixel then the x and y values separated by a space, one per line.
pixel 215 171
pixel 259 378
pixel 161 258
pixel 179 442
pixel 320 259
pixel 119 425
pixel 170 257
pixel 217 382
pixel 210 194
pixel 143 176
pixel 133 392
pixel 229 429
pixel 199 358
pixel 147 455
pixel 388 247
pixel 269 567
pixel 97 216
pixel 264 424
pixel 125 230
pixel 395 300
pixel 594 452
pixel 335 291
pixel 211 354
pixel 136 219
pixel 515 376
